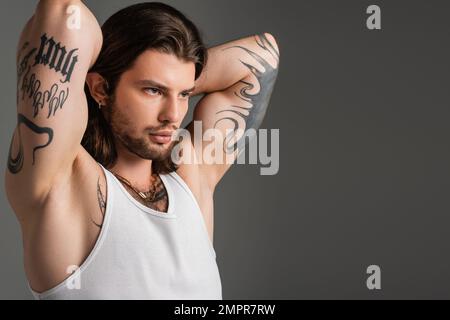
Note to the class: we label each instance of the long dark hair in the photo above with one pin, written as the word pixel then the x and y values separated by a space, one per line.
pixel 127 34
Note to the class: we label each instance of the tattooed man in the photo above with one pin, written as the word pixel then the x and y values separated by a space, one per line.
pixel 105 211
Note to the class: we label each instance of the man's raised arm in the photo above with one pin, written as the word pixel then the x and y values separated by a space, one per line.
pixel 55 51
pixel 238 81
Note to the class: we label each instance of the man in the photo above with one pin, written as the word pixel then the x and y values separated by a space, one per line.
pixel 105 212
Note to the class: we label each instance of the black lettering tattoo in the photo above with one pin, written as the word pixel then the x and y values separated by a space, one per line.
pixel 259 101
pixel 54 98
pixel 15 164
pixel 56 57
pixel 30 86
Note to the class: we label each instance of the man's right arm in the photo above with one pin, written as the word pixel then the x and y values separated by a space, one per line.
pixel 56 49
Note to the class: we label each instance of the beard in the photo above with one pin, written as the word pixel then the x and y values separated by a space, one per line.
pixel 143 147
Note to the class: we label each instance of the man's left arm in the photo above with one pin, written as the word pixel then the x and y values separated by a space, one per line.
pixel 237 81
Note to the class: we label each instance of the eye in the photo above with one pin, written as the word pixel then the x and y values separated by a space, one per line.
pixel 152 91
pixel 185 95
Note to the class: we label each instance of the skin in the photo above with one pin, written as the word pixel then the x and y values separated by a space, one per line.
pixel 57 190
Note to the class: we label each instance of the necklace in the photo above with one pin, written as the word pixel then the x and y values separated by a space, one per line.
pixel 147 195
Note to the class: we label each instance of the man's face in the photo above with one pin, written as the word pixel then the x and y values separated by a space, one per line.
pixel 151 98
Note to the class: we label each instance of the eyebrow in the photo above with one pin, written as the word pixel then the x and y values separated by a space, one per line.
pixel 155 84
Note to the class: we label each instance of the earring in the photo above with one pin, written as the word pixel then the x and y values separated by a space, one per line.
pixel 100 105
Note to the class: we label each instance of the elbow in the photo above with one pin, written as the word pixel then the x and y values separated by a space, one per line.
pixel 272 44
pixel 273 41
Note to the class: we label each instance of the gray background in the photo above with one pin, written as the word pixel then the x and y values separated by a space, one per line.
pixel 364 174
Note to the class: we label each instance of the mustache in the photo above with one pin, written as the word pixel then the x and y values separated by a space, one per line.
pixel 153 130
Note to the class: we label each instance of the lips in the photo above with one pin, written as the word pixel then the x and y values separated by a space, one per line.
pixel 162 137
pixel 163 133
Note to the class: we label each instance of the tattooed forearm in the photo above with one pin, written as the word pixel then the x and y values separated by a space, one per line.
pixel 254 114
pixel 101 202
pixel 15 163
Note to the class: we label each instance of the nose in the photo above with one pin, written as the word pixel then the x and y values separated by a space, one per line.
pixel 170 111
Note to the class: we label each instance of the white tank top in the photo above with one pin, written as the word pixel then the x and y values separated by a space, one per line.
pixel 146 254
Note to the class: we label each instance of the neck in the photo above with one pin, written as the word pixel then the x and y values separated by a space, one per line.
pixel 136 170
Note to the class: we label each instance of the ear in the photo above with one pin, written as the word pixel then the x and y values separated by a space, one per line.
pixel 97 85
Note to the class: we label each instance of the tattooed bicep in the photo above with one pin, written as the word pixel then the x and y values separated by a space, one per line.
pixel 52 63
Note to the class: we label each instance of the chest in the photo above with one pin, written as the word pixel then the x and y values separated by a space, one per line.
pixel 160 199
